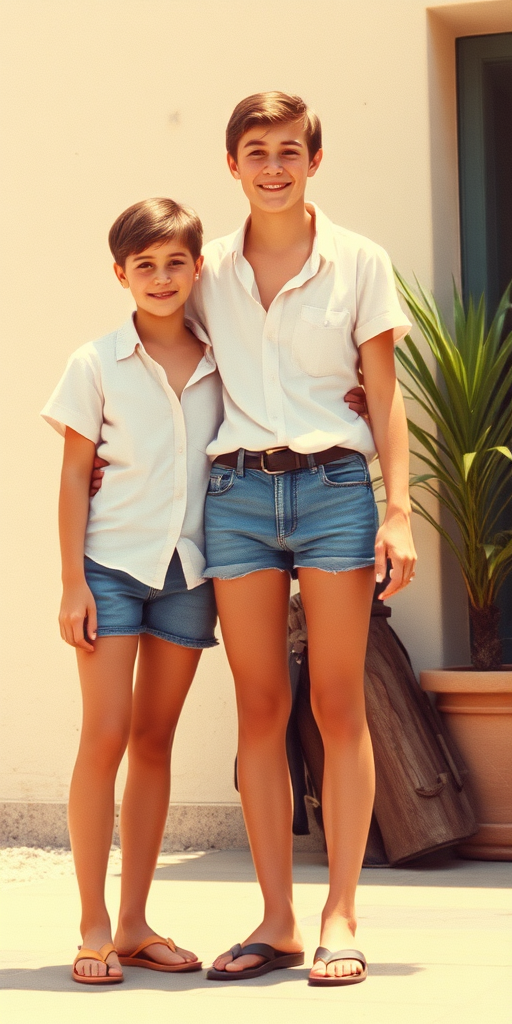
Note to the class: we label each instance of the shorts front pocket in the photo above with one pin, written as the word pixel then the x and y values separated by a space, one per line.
pixel 319 341
pixel 221 480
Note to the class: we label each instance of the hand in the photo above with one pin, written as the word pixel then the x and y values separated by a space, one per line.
pixel 96 475
pixel 356 400
pixel 77 605
pixel 394 541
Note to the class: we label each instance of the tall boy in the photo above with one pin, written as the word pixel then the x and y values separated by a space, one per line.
pixel 291 304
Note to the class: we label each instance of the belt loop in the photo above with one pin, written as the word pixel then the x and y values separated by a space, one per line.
pixel 311 463
pixel 240 467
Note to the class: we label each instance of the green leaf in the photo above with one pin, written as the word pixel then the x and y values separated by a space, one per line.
pixel 460 384
pixel 468 459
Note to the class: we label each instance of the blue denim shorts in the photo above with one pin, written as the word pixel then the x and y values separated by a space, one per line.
pixel 324 517
pixel 127 607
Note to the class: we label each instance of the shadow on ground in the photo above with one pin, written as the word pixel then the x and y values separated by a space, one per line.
pixel 58 979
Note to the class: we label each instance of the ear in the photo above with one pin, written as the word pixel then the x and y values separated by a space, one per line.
pixel 315 163
pixel 233 166
pixel 121 276
pixel 198 267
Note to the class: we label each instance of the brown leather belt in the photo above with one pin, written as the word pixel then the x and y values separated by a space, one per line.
pixel 280 460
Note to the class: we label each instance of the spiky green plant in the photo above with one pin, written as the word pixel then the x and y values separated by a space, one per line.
pixel 467 452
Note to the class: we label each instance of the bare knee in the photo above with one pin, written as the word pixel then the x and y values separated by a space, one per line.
pixel 337 716
pixel 104 748
pixel 151 744
pixel 263 713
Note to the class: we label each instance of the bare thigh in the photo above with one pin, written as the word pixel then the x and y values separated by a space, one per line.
pixel 164 674
pixel 337 608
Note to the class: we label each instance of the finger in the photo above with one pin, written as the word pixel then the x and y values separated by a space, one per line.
pixel 77 624
pixel 99 462
pixel 380 561
pixel 97 474
pixel 396 581
pixel 92 621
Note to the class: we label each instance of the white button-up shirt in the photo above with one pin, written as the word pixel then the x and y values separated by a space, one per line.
pixel 152 498
pixel 285 372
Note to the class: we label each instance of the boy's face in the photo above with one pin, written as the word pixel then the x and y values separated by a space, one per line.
pixel 160 277
pixel 273 164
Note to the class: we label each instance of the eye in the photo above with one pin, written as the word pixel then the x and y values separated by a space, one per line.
pixel 144 266
pixel 177 263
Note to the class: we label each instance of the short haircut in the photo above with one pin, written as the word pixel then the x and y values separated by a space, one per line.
pixel 269 108
pixel 154 221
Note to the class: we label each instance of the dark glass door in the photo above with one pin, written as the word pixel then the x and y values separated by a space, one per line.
pixel 484 83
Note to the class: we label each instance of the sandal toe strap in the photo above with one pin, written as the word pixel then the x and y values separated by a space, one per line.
pixel 152 940
pixel 95 954
pixel 322 953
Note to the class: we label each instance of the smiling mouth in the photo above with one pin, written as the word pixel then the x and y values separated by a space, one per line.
pixel 161 295
pixel 277 187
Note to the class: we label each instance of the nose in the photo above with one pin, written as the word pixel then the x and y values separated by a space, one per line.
pixel 163 274
pixel 273 166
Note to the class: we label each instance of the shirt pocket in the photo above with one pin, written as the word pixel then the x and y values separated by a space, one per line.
pixel 319 341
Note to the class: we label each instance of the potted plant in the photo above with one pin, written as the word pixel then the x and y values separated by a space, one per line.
pixel 468 461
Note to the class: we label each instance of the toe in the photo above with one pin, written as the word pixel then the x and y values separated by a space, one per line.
pixel 318 970
pixel 243 963
pixel 186 955
pixel 221 962
pixel 113 966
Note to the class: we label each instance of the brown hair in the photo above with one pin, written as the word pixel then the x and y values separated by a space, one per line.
pixel 151 221
pixel 267 108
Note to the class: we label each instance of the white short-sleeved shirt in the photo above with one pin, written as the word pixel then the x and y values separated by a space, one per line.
pixel 152 498
pixel 285 372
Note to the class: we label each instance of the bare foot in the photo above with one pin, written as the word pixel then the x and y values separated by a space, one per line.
pixel 337 933
pixel 127 941
pixel 285 938
pixel 95 939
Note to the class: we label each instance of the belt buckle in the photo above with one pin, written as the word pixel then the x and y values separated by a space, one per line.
pixel 263 467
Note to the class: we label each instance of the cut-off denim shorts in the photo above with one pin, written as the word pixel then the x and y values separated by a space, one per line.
pixel 127 607
pixel 323 517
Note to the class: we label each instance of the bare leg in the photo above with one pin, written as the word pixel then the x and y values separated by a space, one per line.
pixel 106 682
pixel 164 674
pixel 337 608
pixel 253 612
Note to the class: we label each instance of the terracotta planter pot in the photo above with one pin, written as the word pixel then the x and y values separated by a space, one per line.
pixel 477 707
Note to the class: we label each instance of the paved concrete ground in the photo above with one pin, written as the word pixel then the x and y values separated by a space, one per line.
pixel 438 941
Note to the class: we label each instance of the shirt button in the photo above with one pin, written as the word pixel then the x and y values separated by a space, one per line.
pixel 180 450
pixel 326 323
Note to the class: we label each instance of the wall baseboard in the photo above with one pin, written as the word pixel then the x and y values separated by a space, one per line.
pixel 189 827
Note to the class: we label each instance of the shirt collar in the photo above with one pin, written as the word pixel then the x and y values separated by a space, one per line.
pixel 127 339
pixel 323 242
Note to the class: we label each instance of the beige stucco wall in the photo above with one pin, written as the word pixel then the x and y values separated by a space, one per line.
pixel 113 102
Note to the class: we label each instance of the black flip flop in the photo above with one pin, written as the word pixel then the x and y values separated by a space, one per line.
pixel 322 953
pixel 274 960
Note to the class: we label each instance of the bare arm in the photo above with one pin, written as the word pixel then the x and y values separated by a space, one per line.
pixel 389 426
pixel 77 600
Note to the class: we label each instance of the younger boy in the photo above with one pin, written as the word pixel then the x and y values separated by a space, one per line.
pixel 148 397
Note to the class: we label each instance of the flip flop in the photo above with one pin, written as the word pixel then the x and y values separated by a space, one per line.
pixel 274 960
pixel 322 953
pixel 140 959
pixel 95 954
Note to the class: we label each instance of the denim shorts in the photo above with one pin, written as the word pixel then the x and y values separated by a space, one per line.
pixel 127 607
pixel 324 517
